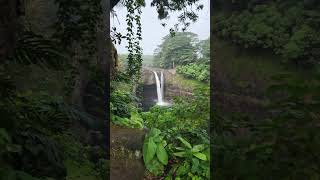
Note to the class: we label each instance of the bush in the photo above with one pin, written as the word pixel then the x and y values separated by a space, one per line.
pixel 181 120
pixel 199 72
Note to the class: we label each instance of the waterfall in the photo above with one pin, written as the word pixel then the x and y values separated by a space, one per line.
pixel 159 91
pixel 162 84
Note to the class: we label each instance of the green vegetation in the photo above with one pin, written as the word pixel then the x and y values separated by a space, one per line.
pixel 177 145
pixel 178 49
pixel 44 99
pixel 261 53
pixel 147 60
pixel 37 131
pixel 163 153
pixel 53 124
pixel 184 121
pixel 181 123
pixel 199 72
pixel 288 28
pixel 184 52
pixel 159 143
pixel 283 146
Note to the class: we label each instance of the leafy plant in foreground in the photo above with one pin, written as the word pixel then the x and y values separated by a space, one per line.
pixel 155 156
pixel 195 161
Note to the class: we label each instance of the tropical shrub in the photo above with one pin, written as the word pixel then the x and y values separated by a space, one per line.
pixel 121 103
pixel 199 72
pixel 193 161
pixel 155 156
pixel 135 121
pixel 181 120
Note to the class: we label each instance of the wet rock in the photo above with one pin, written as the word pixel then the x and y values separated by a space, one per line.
pixel 126 153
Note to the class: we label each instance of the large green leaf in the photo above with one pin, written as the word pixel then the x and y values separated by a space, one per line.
pixel 150 152
pixel 188 145
pixel 154 132
pixel 180 148
pixel 198 148
pixel 144 151
pixel 180 154
pixel 162 154
pixel 200 156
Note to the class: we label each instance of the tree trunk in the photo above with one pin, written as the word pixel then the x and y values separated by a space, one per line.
pixel 105 57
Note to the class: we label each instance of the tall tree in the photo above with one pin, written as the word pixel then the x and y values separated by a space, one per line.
pixel 179 50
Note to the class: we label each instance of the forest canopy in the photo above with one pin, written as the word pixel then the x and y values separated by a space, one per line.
pixel 185 52
pixel 288 28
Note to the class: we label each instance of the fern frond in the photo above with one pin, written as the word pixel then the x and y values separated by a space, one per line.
pixel 35 49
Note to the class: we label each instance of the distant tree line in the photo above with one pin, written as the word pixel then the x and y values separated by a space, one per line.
pixel 185 52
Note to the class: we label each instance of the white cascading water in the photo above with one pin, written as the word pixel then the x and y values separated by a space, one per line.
pixel 162 84
pixel 159 93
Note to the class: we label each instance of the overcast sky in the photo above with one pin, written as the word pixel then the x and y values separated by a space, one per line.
pixel 153 31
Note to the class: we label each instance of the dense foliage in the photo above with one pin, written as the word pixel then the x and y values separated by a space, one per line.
pixel 37 136
pixel 282 143
pixel 283 146
pixel 34 135
pixel 199 72
pixel 176 50
pixel 53 126
pixel 177 145
pixel 184 52
pixel 184 136
pixel 288 28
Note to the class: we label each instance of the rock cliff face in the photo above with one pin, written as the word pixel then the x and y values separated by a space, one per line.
pixel 173 88
pixel 126 154
pixel 147 77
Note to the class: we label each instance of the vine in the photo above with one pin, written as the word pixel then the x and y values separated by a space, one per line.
pixel 134 38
